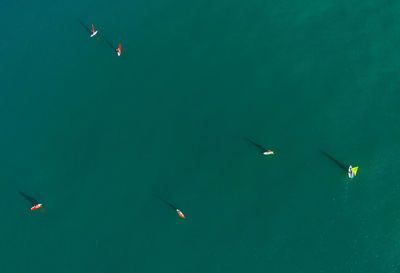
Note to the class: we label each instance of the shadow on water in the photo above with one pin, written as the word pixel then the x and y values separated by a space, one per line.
pixel 261 148
pixel 84 26
pixel 166 202
pixel 29 198
pixel 337 162
pixel 110 44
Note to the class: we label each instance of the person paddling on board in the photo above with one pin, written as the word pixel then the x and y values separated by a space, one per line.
pixel 180 214
pixel 35 203
pixel 119 50
pixel 37 206
pixel 269 152
pixel 93 32
pixel 352 171
pixel 261 148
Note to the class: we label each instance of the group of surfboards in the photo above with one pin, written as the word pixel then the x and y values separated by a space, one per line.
pixel 352 171
pixel 36 205
pixel 94 32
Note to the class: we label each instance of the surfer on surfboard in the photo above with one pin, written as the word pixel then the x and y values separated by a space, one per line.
pixel 119 50
pixel 94 32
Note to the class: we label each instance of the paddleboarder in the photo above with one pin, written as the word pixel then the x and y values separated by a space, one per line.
pixel 352 171
pixel 119 50
pixel 35 203
pixel 94 32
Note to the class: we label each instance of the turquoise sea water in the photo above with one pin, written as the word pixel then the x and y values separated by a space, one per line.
pixel 96 138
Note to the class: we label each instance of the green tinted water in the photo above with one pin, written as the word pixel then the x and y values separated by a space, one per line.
pixel 95 137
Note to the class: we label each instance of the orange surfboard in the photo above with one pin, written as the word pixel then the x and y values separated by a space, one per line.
pixel 180 214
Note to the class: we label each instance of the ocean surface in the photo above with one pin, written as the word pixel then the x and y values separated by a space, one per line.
pixel 105 141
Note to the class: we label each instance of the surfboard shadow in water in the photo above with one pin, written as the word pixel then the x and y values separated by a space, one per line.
pixel 84 26
pixel 110 44
pixel 166 202
pixel 261 148
pixel 337 162
pixel 32 200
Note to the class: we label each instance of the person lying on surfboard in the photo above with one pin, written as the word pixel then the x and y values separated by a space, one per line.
pixel 94 32
pixel 119 50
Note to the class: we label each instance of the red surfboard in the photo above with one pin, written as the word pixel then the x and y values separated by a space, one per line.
pixel 119 50
pixel 38 206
